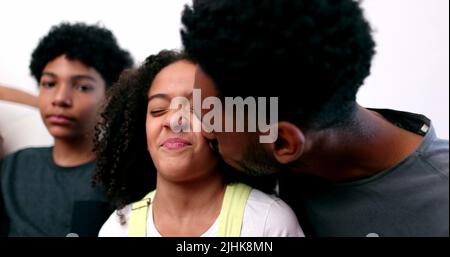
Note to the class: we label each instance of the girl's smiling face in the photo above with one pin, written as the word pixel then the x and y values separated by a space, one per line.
pixel 179 156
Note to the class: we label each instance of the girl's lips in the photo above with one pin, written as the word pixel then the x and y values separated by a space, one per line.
pixel 175 143
pixel 59 119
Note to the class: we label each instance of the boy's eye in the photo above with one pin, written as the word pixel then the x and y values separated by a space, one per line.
pixel 84 88
pixel 47 84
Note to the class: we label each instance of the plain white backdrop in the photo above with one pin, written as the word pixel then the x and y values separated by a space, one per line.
pixel 410 71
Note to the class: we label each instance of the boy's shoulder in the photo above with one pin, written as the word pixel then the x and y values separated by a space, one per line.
pixel 29 152
pixel 25 157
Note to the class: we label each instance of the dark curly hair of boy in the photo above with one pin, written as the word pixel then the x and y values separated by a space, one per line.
pixel 124 165
pixel 312 54
pixel 93 45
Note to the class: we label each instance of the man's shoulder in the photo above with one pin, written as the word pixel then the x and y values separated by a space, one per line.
pixel 416 123
pixel 433 152
pixel 436 156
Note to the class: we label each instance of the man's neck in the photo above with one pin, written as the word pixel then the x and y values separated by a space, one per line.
pixel 370 145
pixel 69 153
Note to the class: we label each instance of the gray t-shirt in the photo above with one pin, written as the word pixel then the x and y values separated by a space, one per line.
pixel 44 199
pixel 409 199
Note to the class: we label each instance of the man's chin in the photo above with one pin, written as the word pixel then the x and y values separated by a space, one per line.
pixel 256 168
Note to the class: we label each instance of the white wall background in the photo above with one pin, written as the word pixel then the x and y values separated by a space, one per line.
pixel 410 71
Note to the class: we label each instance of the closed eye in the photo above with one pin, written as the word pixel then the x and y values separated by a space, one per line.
pixel 157 112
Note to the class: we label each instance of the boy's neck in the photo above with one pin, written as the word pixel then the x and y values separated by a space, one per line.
pixel 369 146
pixel 68 153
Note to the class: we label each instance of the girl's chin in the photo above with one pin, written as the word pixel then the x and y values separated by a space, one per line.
pixel 172 166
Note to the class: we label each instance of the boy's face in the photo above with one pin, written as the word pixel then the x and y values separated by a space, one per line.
pixel 70 97
pixel 241 150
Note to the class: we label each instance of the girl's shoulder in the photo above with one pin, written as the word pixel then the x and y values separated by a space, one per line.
pixel 268 215
pixel 117 223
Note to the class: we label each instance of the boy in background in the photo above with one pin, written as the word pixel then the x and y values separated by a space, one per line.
pixel 47 191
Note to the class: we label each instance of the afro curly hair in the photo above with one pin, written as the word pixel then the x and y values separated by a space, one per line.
pixel 312 54
pixel 93 45
pixel 124 165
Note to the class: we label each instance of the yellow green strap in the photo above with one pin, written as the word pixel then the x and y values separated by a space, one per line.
pixel 138 217
pixel 231 214
pixel 233 207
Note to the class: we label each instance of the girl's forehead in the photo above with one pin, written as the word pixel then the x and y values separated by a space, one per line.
pixel 177 79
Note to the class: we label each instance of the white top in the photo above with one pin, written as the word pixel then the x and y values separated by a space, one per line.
pixel 265 216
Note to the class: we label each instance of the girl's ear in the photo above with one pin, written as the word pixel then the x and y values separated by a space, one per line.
pixel 290 143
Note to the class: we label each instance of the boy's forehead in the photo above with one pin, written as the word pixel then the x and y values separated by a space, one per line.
pixel 64 67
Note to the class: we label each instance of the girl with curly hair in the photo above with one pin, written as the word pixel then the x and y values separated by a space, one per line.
pixel 191 193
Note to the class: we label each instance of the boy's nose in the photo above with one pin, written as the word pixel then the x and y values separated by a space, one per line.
pixel 62 97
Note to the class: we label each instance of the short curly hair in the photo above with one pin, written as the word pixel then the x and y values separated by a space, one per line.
pixel 93 45
pixel 321 49
pixel 124 165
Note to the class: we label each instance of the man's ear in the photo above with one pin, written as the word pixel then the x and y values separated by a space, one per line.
pixel 290 143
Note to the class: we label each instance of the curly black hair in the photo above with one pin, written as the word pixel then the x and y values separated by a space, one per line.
pixel 93 45
pixel 124 165
pixel 313 54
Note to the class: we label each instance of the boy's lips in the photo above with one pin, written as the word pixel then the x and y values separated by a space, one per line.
pixel 59 119
pixel 175 143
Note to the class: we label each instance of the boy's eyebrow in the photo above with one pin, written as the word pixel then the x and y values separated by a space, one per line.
pixel 48 74
pixel 77 77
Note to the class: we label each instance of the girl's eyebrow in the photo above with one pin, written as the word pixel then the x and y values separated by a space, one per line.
pixel 166 96
pixel 163 96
